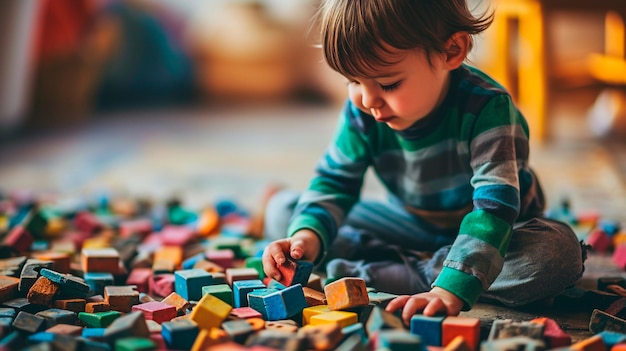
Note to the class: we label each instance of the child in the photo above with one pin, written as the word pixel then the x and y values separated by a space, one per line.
pixel 464 215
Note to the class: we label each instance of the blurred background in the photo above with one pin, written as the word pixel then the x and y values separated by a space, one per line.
pixel 205 99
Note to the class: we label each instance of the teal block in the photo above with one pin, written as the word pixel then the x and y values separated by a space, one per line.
pixel 269 303
pixel 222 291
pixel 399 340
pixel 428 328
pixel 98 280
pixel 241 288
pixel 180 334
pixel 188 283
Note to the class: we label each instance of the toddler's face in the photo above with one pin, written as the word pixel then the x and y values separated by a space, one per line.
pixel 404 92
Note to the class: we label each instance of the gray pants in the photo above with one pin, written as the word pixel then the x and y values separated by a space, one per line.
pixel 395 251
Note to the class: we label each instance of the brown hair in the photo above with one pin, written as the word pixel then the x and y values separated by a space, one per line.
pixel 356 34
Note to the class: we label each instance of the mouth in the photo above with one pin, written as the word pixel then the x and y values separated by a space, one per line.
pixel 384 119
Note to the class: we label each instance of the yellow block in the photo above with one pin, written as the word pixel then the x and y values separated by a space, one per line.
pixel 309 312
pixel 99 242
pixel 210 312
pixel 169 253
pixel 343 318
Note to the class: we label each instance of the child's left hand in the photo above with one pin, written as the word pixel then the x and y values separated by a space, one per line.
pixel 436 301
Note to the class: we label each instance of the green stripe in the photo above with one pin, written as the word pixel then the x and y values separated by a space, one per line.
pixel 483 225
pixel 497 107
pixel 468 288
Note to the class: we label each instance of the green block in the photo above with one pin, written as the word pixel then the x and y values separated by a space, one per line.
pixel 179 216
pixel 256 263
pixel 134 344
pixel 98 319
pixel 222 291
pixel 38 222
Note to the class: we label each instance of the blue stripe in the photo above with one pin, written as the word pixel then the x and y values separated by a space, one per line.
pixel 502 193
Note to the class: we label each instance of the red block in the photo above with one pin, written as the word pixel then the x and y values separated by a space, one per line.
pixel 468 328
pixel 140 277
pixel 599 240
pixel 553 334
pixel 157 311
pixel 19 238
pixel 87 222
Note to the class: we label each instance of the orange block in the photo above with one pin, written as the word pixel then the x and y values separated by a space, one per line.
pixel 208 222
pixel 60 260
pixel 106 260
pixel 209 337
pixel 457 344
pixel 594 343
pixel 8 287
pixel 169 253
pixel 467 327
pixel 345 293
pixel 322 336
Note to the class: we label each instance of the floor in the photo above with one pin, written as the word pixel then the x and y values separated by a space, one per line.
pixel 200 154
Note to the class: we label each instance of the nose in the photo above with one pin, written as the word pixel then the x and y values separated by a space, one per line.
pixel 371 100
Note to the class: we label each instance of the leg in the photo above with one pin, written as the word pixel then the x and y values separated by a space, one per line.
pixel 543 258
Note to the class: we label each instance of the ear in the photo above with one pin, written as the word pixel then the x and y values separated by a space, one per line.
pixel 456 49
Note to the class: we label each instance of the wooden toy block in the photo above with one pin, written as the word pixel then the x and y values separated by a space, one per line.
pixel 188 283
pixel 60 260
pixel 134 344
pixel 167 258
pixel 276 340
pixel 241 288
pixel 283 325
pixel 428 328
pixel 11 341
pixel 54 316
pixel 8 287
pixel 100 260
pixel 457 344
pixel 342 318
pixel 315 282
pixel 87 222
pixel 599 240
pixel 131 324
pixel 364 312
pixel 208 222
pixel 227 346
pixel 121 298
pixel 293 297
pixel 12 266
pixel 256 263
pixel 22 304
pixel 507 328
pixel 267 302
pixel 93 333
pixel 157 311
pixel 295 272
pixel 42 292
pixel 189 262
pixel 273 284
pixel 345 293
pixel 97 242
pixel 209 337
pixel 467 327
pixel 619 256
pixel 321 337
pixel 314 297
pixel 244 313
pixel 238 274
pixel 238 330
pixel 180 335
pixel 355 329
pixel 161 284
pixel 398 339
pixel 224 258
pixel 93 307
pixel 45 222
pixel 380 319
pixel 609 226
pixel 65 329
pixel 219 278
pixel 601 321
pixel 308 312
pixel 98 280
pixel 19 239
pixel 257 323
pixel 28 322
pixel 153 327
pixel 74 305
pixel 611 339
pixel 210 312
pixel 594 343
pixel 30 273
pixel 69 285
pixel 98 319
pixel 619 238
pixel 353 343
pixel 222 291
pixel 209 266
pixel 553 335
pixel 174 235
pixel 523 343
pixel 178 302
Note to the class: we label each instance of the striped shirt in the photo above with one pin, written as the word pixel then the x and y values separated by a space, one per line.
pixel 470 153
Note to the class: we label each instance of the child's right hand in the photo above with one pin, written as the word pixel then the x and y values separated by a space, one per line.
pixel 303 245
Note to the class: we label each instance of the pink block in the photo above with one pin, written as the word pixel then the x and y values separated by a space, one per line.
pixel 224 258
pixel 245 312
pixel 140 277
pixel 141 226
pixel 619 256
pixel 177 235
pixel 157 311
pixel 87 222
pixel 599 240
pixel 555 336
pixel 161 284
pixel 19 238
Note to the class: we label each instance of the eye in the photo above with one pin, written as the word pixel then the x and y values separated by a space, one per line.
pixel 390 87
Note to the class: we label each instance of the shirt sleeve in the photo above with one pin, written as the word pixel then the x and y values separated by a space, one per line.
pixel 499 150
pixel 337 183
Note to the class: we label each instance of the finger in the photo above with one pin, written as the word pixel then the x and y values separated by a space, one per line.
pixel 297 249
pixel 413 306
pixel 397 303
pixel 434 307
pixel 272 257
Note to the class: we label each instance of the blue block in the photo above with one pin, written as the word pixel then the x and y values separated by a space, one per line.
pixel 428 328
pixel 268 303
pixel 294 299
pixel 93 332
pixel 354 329
pixel 41 337
pixel 241 288
pixel 179 334
pixel 191 261
pixel 98 280
pixel 612 338
pixel 188 283
pixel 302 273
pixel 399 340
pixel 274 284
pixel 67 282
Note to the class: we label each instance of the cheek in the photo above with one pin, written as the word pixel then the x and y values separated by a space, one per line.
pixel 355 96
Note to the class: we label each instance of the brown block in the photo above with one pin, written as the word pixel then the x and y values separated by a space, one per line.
pixel 346 293
pixel 93 307
pixel 42 292
pixel 74 305
pixel 60 260
pixel 121 298
pixel 314 297
pixel 8 287
pixel 322 336
pixel 66 329
pixel 100 260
